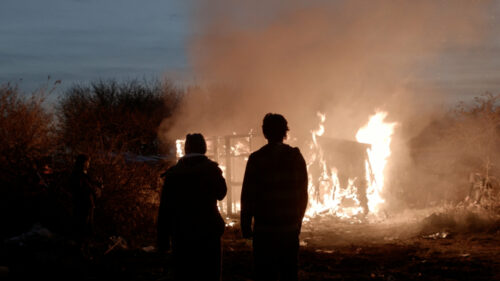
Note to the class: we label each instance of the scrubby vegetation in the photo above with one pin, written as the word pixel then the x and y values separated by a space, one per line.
pixel 456 151
pixel 116 124
pixel 28 137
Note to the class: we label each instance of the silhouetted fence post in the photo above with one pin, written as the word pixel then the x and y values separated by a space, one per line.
pixel 229 181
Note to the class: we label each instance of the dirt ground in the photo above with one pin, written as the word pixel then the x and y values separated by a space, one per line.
pixel 330 250
pixel 382 252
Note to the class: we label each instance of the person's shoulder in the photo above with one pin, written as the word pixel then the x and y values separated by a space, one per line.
pixel 211 163
pixel 290 149
pixel 266 149
pixel 202 162
pixel 259 152
pixel 172 170
pixel 167 173
pixel 293 152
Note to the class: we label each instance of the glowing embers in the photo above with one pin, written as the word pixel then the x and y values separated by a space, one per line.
pixel 346 177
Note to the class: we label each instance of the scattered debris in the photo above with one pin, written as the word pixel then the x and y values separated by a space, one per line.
pixel 149 249
pixel 325 251
pixel 117 242
pixel 249 243
pixel 437 235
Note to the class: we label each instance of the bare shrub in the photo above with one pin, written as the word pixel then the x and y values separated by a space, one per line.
pixel 114 123
pixel 477 131
pixel 26 128
pixel 453 149
pixel 117 117
pixel 27 137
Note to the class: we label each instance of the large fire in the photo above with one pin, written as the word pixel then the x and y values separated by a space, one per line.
pixel 325 193
pixel 327 196
pixel 377 133
pixel 332 191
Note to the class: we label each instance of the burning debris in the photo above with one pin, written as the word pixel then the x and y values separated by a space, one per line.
pixel 346 178
pixel 342 191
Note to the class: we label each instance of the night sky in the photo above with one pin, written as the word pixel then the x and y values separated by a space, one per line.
pixel 86 40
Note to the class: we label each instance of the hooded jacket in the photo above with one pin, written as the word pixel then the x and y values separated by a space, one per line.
pixel 188 206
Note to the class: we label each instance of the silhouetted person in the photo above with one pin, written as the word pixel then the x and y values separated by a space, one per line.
pixel 189 217
pixel 274 194
pixel 83 190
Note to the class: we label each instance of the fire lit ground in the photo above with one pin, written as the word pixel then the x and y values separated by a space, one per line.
pixel 347 233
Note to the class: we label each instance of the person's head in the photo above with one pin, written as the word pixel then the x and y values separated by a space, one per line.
pixel 82 163
pixel 274 127
pixel 195 143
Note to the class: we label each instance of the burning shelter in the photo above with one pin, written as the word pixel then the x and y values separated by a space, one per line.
pixel 339 172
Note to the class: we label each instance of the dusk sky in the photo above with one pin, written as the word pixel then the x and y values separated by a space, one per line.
pixel 87 40
pixel 84 40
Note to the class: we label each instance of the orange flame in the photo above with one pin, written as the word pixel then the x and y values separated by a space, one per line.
pixel 377 133
pixel 326 196
pixel 325 193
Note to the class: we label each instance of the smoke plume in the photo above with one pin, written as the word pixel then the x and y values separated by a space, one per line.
pixel 346 59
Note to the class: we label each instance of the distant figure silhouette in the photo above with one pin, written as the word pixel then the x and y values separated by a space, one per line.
pixel 189 216
pixel 83 190
pixel 274 194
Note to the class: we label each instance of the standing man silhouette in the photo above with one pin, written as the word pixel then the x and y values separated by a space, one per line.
pixel 83 190
pixel 274 195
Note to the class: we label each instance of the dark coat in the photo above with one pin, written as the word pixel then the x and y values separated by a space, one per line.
pixel 188 206
pixel 274 190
